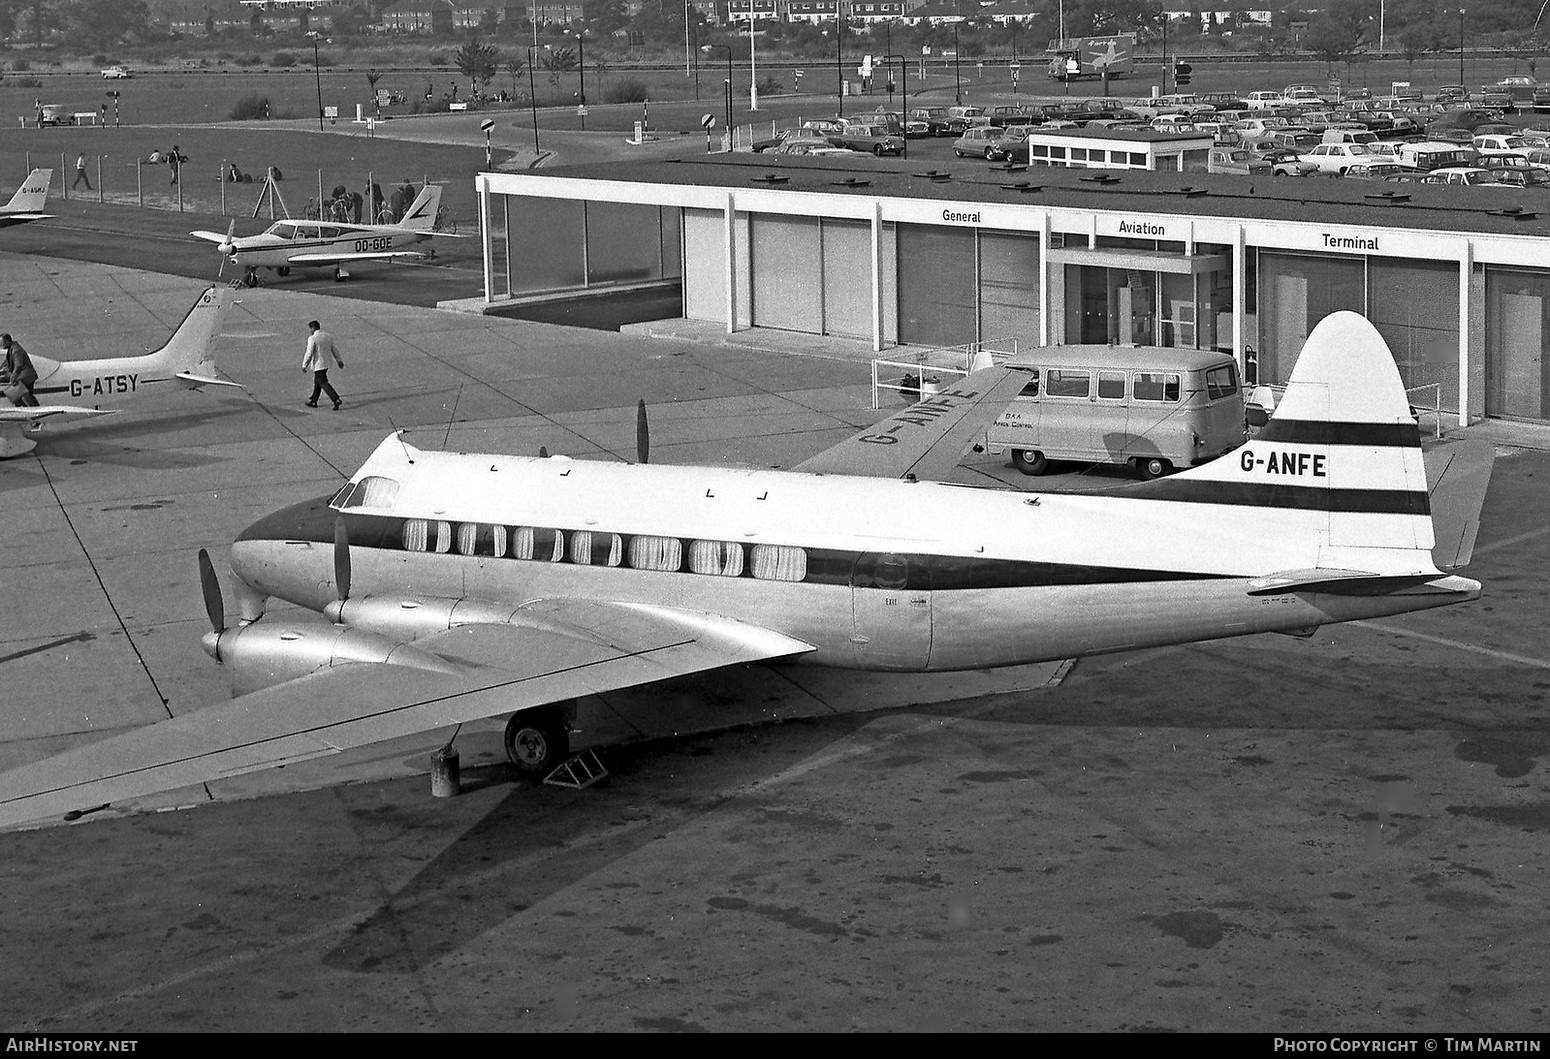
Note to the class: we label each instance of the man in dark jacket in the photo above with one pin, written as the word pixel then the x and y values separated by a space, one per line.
pixel 17 375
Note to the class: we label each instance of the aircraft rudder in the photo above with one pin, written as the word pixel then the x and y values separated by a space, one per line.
pixel 33 194
pixel 193 343
pixel 422 211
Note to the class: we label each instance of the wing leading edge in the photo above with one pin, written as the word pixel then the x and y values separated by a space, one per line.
pixel 926 440
pixel 561 650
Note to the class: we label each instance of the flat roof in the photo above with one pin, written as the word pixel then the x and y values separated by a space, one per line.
pixel 1344 201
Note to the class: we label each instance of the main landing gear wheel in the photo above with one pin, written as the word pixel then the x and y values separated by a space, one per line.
pixel 537 742
pixel 1030 461
pixel 1150 467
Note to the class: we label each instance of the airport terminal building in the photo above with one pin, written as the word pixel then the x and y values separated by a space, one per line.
pixel 890 253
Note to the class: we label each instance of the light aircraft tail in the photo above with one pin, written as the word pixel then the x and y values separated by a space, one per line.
pixel 32 196
pixel 1334 488
pixel 190 353
pixel 422 211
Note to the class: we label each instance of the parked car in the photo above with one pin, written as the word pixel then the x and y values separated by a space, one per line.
pixel 873 139
pixel 1528 176
pixel 1236 160
pixel 1496 146
pixel 939 123
pixel 786 136
pixel 982 141
pixel 1471 176
pixel 1372 170
pixel 1333 159
pixel 115 73
pixel 811 147
pixel 1285 162
pixel 1453 94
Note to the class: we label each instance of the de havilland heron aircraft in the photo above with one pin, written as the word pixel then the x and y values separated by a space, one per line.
pixel 107 385
pixel 28 202
pixel 330 244
pixel 460 586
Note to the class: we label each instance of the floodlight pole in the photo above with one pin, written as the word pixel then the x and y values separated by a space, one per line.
pixel 904 124
pixel 318 77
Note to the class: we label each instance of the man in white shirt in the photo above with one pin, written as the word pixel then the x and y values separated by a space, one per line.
pixel 320 347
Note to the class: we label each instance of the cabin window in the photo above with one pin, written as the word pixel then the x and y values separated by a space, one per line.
pixel 656 553
pixel 596 549
pixel 1066 382
pixel 533 542
pixel 479 538
pixel 1156 386
pixel 1221 382
pixel 416 534
pixel 284 231
pixel 723 558
pixel 779 562
pixel 443 536
pixel 373 491
pixel 1111 385
pixel 1031 388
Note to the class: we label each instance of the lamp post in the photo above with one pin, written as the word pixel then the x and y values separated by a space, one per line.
pixel 957 73
pixel 581 64
pixel 839 60
pixel 728 49
pixel 753 67
pixel 1015 66
pixel 904 99
pixel 1461 45
pixel 532 93
pixel 318 76
pixel 696 59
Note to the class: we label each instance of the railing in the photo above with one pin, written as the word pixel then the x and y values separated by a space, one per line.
pixel 1421 411
pixel 931 370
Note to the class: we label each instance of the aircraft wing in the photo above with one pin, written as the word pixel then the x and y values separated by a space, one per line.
pixel 553 650
pixel 332 259
pixel 193 381
pixel 927 439
pixel 10 415
pixel 210 237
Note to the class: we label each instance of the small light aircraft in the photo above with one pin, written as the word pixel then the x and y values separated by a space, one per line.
pixel 463 586
pixel 101 387
pixel 29 200
pixel 330 244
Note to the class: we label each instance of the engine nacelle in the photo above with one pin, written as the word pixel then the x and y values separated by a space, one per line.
pixel 411 617
pixel 260 656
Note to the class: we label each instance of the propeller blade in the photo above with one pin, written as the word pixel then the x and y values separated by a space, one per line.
pixel 642 434
pixel 215 607
pixel 341 560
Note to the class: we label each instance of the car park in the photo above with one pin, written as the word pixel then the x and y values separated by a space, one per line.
pixel 982 141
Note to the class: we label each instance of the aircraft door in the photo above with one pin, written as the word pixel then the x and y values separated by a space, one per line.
pixel 891 610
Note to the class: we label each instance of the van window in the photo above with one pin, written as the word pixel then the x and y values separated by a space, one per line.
pixel 1222 382
pixel 1156 386
pixel 1031 389
pixel 1068 382
pixel 1111 385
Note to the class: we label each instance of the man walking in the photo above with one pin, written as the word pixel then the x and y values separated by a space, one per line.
pixel 80 173
pixel 320 347
pixel 17 375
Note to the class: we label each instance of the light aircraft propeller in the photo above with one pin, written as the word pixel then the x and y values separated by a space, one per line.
pixel 215 606
pixel 642 434
pixel 228 247
pixel 341 560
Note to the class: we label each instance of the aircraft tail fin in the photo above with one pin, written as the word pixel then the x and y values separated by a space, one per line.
pixel 190 352
pixel 1336 478
pixel 422 211
pixel 32 196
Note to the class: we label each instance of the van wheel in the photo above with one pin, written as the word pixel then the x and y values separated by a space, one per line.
pixel 1029 461
pixel 990 154
pixel 1150 467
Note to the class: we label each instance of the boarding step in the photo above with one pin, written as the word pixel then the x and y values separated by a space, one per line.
pixel 578 773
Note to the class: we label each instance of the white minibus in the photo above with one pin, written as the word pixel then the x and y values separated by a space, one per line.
pixel 1154 407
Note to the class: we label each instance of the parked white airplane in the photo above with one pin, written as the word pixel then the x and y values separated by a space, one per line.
pixel 322 244
pixel 106 385
pixel 28 202
pixel 464 586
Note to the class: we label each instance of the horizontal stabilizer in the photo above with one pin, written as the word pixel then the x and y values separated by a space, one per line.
pixel 50 411
pixel 1345 582
pixel 1458 474
pixel 193 381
